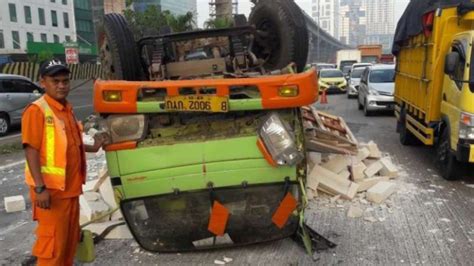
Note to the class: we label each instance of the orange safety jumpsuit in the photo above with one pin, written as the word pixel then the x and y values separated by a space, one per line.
pixel 58 231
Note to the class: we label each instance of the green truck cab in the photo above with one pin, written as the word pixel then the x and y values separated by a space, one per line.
pixel 207 137
pixel 434 85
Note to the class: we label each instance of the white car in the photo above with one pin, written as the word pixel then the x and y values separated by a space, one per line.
pixel 16 92
pixel 376 89
pixel 354 82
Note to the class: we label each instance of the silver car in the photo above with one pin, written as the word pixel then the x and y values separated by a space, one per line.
pixel 16 92
pixel 377 85
pixel 354 82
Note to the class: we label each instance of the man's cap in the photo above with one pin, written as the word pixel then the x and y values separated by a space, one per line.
pixel 53 67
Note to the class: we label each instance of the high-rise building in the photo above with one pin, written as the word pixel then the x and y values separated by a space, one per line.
pixel 326 14
pixel 380 22
pixel 357 22
pixel 114 6
pixel 31 26
pixel 180 7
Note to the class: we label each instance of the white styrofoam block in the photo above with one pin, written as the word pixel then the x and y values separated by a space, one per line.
pixel 15 203
pixel 381 191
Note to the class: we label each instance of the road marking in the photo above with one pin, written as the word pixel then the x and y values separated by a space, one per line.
pixel 11 165
pixel 10 137
pixel 11 228
pixel 83 106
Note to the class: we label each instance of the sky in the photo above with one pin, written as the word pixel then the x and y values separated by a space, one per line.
pixel 244 8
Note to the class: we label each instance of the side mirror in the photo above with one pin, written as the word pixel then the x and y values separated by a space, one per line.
pixel 450 63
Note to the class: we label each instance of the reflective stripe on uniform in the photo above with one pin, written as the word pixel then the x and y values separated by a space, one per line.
pixel 53 170
pixel 50 167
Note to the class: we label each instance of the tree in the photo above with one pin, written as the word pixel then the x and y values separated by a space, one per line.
pixel 150 21
pixel 218 23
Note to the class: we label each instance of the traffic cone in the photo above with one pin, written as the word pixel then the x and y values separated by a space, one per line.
pixel 324 98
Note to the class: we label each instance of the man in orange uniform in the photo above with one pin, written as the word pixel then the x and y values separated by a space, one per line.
pixel 56 167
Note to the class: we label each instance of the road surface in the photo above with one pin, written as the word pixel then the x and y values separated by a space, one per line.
pixel 428 221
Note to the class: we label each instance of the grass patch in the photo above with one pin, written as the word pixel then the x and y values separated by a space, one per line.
pixel 10 148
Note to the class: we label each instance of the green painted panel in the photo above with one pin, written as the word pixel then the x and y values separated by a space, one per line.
pixel 221 174
pixel 112 163
pixel 235 105
pixel 169 156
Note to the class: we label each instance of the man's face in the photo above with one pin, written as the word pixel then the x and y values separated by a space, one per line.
pixel 57 87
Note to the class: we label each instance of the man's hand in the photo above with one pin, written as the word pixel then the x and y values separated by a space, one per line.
pixel 43 200
pixel 100 139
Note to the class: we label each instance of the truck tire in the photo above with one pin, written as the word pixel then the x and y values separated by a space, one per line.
pixel 282 36
pixel 117 50
pixel 4 124
pixel 449 167
pixel 406 137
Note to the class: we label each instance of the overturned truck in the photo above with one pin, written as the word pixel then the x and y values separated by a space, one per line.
pixel 207 138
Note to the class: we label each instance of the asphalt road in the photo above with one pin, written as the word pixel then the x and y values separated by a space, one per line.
pixel 428 221
pixel 80 98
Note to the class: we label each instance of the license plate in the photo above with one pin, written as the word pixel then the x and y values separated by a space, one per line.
pixel 197 103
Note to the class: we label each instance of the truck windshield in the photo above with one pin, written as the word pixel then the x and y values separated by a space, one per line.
pixel 331 74
pixel 357 72
pixel 382 76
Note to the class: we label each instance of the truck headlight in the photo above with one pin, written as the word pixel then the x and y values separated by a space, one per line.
pixel 278 140
pixel 466 126
pixel 126 127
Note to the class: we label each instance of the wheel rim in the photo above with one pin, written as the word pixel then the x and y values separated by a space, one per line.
pixel 106 60
pixel 3 126
pixel 267 41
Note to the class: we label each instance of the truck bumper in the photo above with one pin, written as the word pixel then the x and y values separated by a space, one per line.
pixel 465 152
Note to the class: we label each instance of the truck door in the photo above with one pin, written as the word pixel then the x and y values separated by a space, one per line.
pixel 452 88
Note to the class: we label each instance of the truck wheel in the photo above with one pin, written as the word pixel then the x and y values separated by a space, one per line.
pixel 4 124
pixel 282 36
pixel 406 137
pixel 450 168
pixel 117 50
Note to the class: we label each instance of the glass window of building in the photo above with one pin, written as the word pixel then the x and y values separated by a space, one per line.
pixel 44 37
pixel 30 37
pixel 68 38
pixel 53 1
pixel 2 40
pixel 12 9
pixel 16 39
pixel 64 2
pixel 82 4
pixel 42 21
pixel 66 20
pixel 56 38
pixel 27 10
pixel 54 18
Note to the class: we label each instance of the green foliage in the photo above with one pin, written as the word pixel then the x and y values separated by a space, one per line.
pixel 218 23
pixel 150 21
pixel 45 55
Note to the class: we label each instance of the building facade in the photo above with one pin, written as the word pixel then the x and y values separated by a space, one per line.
pixel 356 22
pixel 180 7
pixel 39 21
pixel 380 16
pixel 326 14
